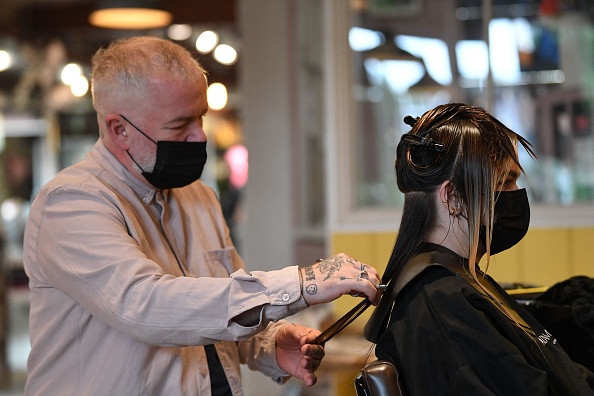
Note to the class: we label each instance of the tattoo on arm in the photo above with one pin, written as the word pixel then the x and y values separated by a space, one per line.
pixel 311 289
pixel 309 274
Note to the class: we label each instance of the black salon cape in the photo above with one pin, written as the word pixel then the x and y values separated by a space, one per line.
pixel 448 339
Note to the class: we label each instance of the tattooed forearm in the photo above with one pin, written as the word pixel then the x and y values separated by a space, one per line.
pixel 309 274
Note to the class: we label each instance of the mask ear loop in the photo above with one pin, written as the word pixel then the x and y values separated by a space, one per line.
pixel 133 160
pixel 138 129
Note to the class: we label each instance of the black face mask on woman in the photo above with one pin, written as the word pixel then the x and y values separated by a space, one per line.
pixel 177 164
pixel 512 218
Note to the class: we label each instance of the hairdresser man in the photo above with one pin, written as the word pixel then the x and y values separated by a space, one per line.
pixel 136 288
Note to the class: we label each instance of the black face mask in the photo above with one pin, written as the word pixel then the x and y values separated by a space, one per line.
pixel 512 218
pixel 177 164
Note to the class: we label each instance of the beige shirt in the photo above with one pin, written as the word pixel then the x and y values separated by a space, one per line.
pixel 127 282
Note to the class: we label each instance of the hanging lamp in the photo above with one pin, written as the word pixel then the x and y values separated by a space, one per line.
pixel 130 14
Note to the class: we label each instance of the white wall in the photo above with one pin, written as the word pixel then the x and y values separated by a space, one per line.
pixel 266 120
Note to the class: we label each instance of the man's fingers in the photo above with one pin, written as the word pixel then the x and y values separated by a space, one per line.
pixel 368 288
pixel 310 379
pixel 310 364
pixel 314 351
pixel 309 335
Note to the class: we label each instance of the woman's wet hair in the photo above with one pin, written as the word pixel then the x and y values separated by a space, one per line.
pixel 456 142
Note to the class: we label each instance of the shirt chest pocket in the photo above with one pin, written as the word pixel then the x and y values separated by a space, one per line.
pixel 221 261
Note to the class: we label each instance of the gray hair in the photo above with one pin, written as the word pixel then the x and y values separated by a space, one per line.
pixel 131 64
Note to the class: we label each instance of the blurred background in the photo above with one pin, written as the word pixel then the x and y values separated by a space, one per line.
pixel 307 99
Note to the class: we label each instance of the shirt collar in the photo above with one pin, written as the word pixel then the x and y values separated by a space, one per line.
pixel 110 163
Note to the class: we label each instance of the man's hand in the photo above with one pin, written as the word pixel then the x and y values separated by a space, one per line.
pixel 326 280
pixel 295 356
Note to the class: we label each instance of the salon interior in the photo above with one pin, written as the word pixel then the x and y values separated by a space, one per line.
pixel 307 99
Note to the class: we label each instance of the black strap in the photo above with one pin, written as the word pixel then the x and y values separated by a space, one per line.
pixel 378 321
pixel 219 386
pixel 436 255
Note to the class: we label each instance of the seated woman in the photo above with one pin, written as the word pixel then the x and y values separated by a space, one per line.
pixel 452 330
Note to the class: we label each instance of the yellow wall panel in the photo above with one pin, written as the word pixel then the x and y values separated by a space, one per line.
pixel 383 243
pixel 580 248
pixel 545 258
pixel 506 267
pixel 356 245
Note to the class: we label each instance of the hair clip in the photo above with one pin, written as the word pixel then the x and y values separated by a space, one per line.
pixel 417 140
pixel 410 121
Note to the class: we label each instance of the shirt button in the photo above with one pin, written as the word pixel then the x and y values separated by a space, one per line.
pixel 203 373
pixel 145 200
pixel 286 297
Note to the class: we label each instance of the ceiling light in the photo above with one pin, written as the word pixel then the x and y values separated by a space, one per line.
pixel 179 32
pixel 129 14
pixel 217 96
pixel 206 41
pixel 364 39
pixel 225 54
pixel 70 72
pixel 5 60
pixel 80 86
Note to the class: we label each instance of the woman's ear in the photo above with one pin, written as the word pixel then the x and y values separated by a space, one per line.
pixel 443 192
pixel 449 196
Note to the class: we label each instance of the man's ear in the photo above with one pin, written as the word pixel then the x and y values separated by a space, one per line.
pixel 115 128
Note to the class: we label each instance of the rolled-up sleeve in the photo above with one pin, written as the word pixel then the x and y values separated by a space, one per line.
pixel 283 291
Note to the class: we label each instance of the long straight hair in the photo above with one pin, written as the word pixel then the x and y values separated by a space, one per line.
pixel 456 142
pixel 475 154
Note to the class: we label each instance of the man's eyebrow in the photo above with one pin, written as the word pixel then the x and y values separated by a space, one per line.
pixel 178 119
